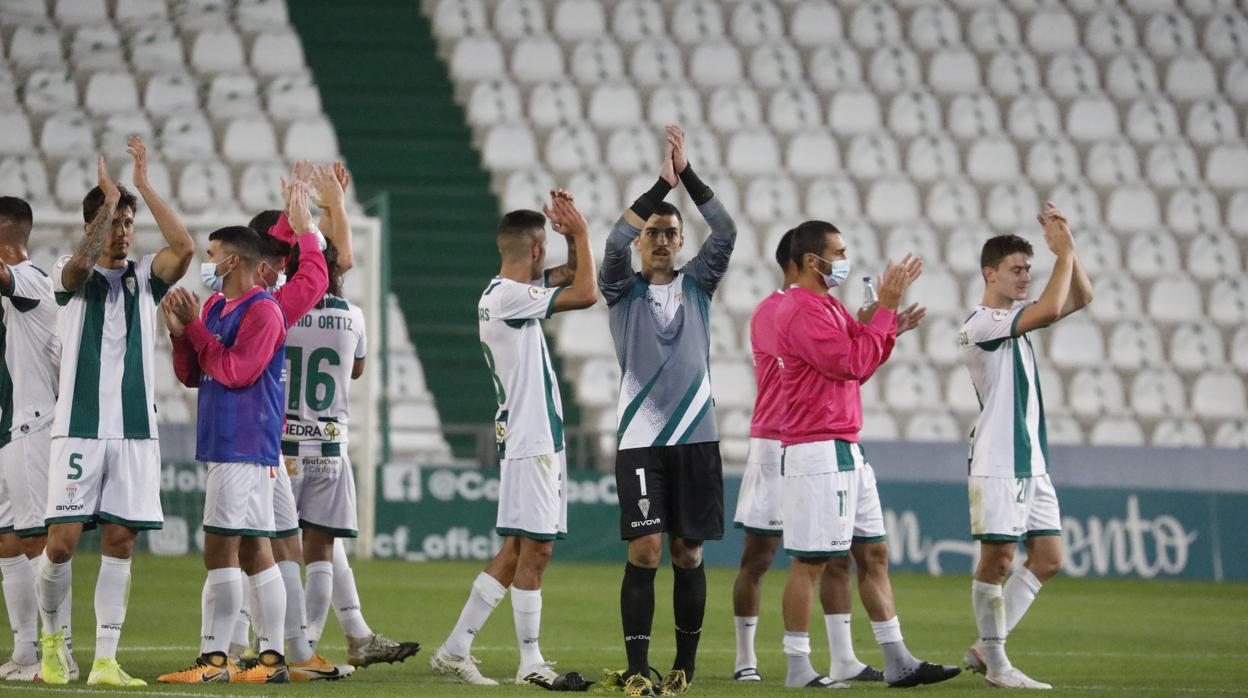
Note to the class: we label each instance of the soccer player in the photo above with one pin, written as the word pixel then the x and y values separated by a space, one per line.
pixel 1011 497
pixel 668 471
pixel 104 466
pixel 533 495
pixel 29 361
pixel 759 511
pixel 830 503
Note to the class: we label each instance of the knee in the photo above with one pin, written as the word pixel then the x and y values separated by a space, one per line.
pixel 685 554
pixel 646 552
pixel 874 558
pixel 60 550
pixel 536 556
pixel 837 569
pixel 1044 567
pixel 993 566
pixel 755 567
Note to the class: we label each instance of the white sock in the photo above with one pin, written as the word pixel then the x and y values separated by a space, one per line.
pixel 241 633
pixel 844 663
pixel 346 598
pixel 318 593
pixel 747 626
pixel 526 608
pixel 1020 591
pixel 19 599
pixel 112 593
pixel 52 587
pixel 223 594
pixel 298 649
pixel 269 611
pixel 989 605
pixel 797 652
pixel 485 596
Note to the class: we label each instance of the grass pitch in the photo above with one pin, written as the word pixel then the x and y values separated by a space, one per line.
pixel 1086 637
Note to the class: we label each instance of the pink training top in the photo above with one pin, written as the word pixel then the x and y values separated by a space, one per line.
pixel 825 354
pixel 769 404
pixel 307 287
pixel 237 366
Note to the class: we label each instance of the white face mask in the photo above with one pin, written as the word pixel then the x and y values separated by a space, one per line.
pixel 208 274
pixel 281 281
pixel 840 271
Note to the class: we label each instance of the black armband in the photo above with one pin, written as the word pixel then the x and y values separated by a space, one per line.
pixel 698 191
pixel 646 203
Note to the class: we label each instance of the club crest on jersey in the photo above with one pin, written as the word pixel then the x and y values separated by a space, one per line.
pixel 644 505
pixel 536 292
pixel 1000 315
pixel 130 285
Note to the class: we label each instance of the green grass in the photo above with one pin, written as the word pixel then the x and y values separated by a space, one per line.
pixel 1087 637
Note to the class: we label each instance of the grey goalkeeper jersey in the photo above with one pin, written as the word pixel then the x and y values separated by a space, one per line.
pixel 665 391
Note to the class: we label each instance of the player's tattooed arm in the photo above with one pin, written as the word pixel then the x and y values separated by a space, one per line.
pixel 566 220
pixel 562 275
pixel 89 248
pixel 171 263
pixel 330 183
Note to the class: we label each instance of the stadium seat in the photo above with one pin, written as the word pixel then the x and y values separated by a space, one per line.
pixel 894 68
pixel 920 240
pixel 25 177
pixel 455 19
pixel 534 59
pixel 615 105
pixel 509 146
pixel 33 45
pixel 1116 431
pixel 879 426
pixel 933 27
pixel 703 142
pixel 1077 343
pixel 1136 344
pixel 1078 201
pixel 1237 214
pixel 1095 391
pixel 914 112
pixel 1011 205
pixel 596 193
pixel 1219 395
pixel 854 112
pixel 205 185
pixel 1099 251
pixel 1192 210
pixel 655 63
pixel 770 199
pixel 598 383
pixel 516 19
pixel 1235 80
pixel 834 67
pixel 992 160
pixel 863 244
pixel 954 71
pixel 753 152
pixel 934 426
pixel 1174 299
pixel 775 65
pixel 911 386
pixel 571 148
pixel 794 109
pixel 50 90
pixel 1110 32
pixel 170 94
pixel 259 186
pixel 1152 120
pixel 813 23
pixel 872 156
pixel 1226 34
pixel 716 64
pixel 1239 349
pixel 636 20
pixel 675 104
pixel 892 201
pixel 73 177
pixel 932 157
pixel 1158 393
pixel 97 48
pixel 1178 433
pixel 1212 256
pixel 186 136
pixel 832 200
pixel 747 284
pixel 1152 254
pixel 585 335
pixel 1052 160
pixel 1190 77
pixel 579 19
pixel 1073 74
pixel 1196 346
pixel 973 116
pixel 67 134
pixel 695 21
pixel 1131 76
pixel 755 22
pixel 733 383
pixel 1064 431
pixel 936 289
pixel 132 11
pixel 992 30
pixel 528 189
pixel 1052 30
pixel 1169 33
pixel 306 139
pixel 1117 298
pixel 1132 209
pixel 117 131
pixel 15 134
pixel 1112 163
pixel 477 57
pixel 1227 167
pixel 962 248
pixel 277 53
pixel 734 108
pixel 1212 121
pixel 596 61
pixel 233 94
pixel 1092 118
pixel 1033 116
pixel 1231 434
pixel 217 50
pixel 873 24
pixel 1013 72
pixel 632 150
pixel 1228 301
pixel 1172 164
pixel 492 102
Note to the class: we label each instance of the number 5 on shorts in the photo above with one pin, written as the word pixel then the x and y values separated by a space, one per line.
pixel 75 466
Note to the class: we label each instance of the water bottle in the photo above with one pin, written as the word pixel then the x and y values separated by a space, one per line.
pixel 869 296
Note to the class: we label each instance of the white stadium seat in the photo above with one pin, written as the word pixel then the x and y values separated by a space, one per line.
pixel 932 157
pixel 205 185
pixel 962 249
pixel 1228 301
pixel 1013 72
pixel 15 134
pixel 1219 395
pixel 815 23
pixel 1011 205
pixel 952 202
pixel 734 108
pixel 753 152
pixel 492 102
pixel 1095 391
pixel 509 146
pixel 934 426
pixel 715 64
pixel 675 104
pixel 307 139
pixel 1116 431
pixel 1052 30
pixel 1226 34
pixel 1237 214
pixel 1136 344
pixel 117 131
pixel 534 59
pixel 1174 299
pixel 1033 116
pixel 217 50
pixel 756 22
pixel 1212 256
pixel 879 426
pixel 733 383
pixel 1079 202
pixel 1192 210
pixel 1092 118
pixel 34 45
pixel 73 177
pixel 656 62
pixel 25 177
pixel 259 188
pixel 933 27
pixel 596 193
pixel 1110 32
pixel 1172 164
pixel 892 201
pixel 477 58
pixel 920 240
pixel 233 94
pixel 1064 431
pixel 1077 343
pixel 1239 349
pixel 1052 160
pixel 1132 209
pixel 97 48
pixel 812 154
pixel 1099 251
pixel 585 334
pixel 636 20
pixel 1196 346
pixel 1152 120
pixel 1232 434
pixel 595 61
pixel 1169 33
pixel 911 386
pixel 834 67
pixel 914 112
pixel 50 90
pixel 854 112
pixel 1131 75
pixel 579 19
pixel 517 19
pixel 570 148
pixel 1073 74
pixel 794 109
pixel 1117 298
pixel 894 68
pixel 873 24
pixel 775 65
pixel 615 105
pixel 277 53
pixel 1212 121
pixel 706 146
pixel 632 150
pixel 1227 166
pixel 973 116
pixel 697 21
pixel 1158 393
pixel 170 93
pixel 872 157
pixel 993 29
pixel 992 160
pixel 66 134
pixel 127 11
pixel 249 139
pixel 527 189
pixel 454 19
pixel 1112 163
pixel 598 383
pixel 833 200
pixel 1190 77
pixel 953 71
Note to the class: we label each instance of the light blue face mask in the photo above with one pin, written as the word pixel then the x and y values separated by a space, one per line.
pixel 840 272
pixel 208 274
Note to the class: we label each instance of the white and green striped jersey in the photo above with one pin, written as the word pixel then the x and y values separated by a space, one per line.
pixel 320 351
pixel 29 351
pixel 107 329
pixel 529 419
pixel 1009 439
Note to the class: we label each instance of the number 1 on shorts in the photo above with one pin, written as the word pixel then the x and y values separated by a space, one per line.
pixel 641 477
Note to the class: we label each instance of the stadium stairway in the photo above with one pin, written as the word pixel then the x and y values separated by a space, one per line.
pixel 392 105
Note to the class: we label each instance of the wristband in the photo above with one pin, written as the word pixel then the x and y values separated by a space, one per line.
pixel 698 191
pixel 646 203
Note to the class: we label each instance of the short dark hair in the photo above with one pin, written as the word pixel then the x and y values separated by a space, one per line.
pixel 16 210
pixel 810 237
pixel 262 222
pixel 666 209
pixel 271 247
pixel 784 256
pixel 1000 247
pixel 520 222
pixel 94 199
pixel 242 240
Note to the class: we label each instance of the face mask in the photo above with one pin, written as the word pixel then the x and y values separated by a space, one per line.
pixel 840 272
pixel 280 282
pixel 208 274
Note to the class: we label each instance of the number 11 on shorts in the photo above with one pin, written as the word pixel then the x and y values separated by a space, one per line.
pixel 840 499
pixel 641 477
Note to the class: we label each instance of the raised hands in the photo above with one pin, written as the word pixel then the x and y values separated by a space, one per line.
pixel 301 171
pixel 138 151
pixel 676 142
pixel 180 308
pixel 111 192
pixel 897 278
pixel 297 206
pixel 564 217
pixel 910 318
pixel 1057 233
pixel 667 171
pixel 329 188
pixel 340 172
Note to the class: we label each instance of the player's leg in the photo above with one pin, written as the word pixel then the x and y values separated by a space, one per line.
pixel 1044 551
pixel 526 604
pixel 756 557
pixel 454 658
pixel 112 596
pixel 288 553
pixel 22 507
pixel 318 561
pixel 255 554
pixel 870 550
pixel 641 487
pixel 836 597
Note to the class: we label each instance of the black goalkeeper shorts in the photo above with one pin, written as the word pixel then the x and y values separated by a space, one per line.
pixel 678 490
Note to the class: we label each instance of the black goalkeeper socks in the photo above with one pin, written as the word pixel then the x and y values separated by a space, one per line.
pixel 637 614
pixel 689 607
